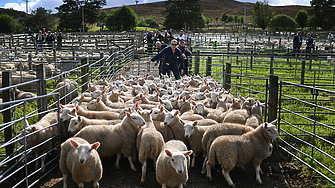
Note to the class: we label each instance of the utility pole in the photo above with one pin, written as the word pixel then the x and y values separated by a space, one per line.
pixel 83 19
pixel 245 13
pixel 136 1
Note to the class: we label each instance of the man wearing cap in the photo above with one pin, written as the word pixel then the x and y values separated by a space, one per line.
pixel 182 36
pixel 160 47
pixel 39 40
pixel 172 53
pixel 186 53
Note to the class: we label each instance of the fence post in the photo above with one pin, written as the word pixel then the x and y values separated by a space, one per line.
pixel 288 55
pixel 303 72
pixel 223 71
pixel 272 57
pixel 273 98
pixel 209 66
pixel 30 62
pixel 197 63
pixel 8 114
pixel 227 76
pixel 102 63
pixel 41 90
pixel 251 58
pixel 96 43
pixel 84 74
pixel 310 60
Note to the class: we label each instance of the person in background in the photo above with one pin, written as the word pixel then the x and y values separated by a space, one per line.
pixel 59 40
pixel 150 38
pixel 330 38
pixel 170 37
pixel 44 32
pixel 159 36
pixel 166 37
pixel 49 39
pixel 172 53
pixel 186 54
pixel 182 36
pixel 309 45
pixel 160 47
pixel 39 40
pixel 30 32
pixel 297 41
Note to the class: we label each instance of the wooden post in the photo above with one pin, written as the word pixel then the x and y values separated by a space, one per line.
pixel 8 114
pixel 310 60
pixel 227 76
pixel 271 62
pixel 273 98
pixel 96 43
pixel 209 66
pixel 102 63
pixel 303 72
pixel 251 58
pixel 84 74
pixel 279 43
pixel 41 89
pixel 197 63
pixel 30 62
pixel 288 55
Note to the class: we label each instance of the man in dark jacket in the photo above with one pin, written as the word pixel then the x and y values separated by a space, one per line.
pixel 49 39
pixel 172 53
pixel 186 54
pixel 160 47
pixel 297 41
pixel 59 40
pixel 150 38
pixel 39 41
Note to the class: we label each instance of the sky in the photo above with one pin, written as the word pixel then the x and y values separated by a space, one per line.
pixel 51 4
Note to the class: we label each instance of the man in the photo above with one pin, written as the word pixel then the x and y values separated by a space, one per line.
pixel 59 40
pixel 159 36
pixel 39 40
pixel 170 35
pixel 150 38
pixel 166 37
pixel 172 53
pixel 49 39
pixel 182 36
pixel 160 47
pixel 297 41
pixel 309 44
pixel 186 54
pixel 330 38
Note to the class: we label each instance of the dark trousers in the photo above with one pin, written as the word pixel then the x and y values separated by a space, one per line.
pixel 308 52
pixel 296 50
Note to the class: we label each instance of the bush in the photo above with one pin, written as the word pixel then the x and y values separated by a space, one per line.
pixel 283 22
pixel 148 22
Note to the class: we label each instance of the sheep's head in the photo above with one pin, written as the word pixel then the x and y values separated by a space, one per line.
pixel 189 128
pixel 177 160
pixel 270 131
pixel 170 117
pixel 66 113
pixel 74 124
pixel 134 119
pixel 199 107
pixel 92 105
pixel 158 113
pixel 84 150
pixel 25 132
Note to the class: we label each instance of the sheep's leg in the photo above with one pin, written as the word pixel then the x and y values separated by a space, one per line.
pixel 204 165
pixel 180 185
pixel 258 177
pixel 37 164
pixel 227 177
pixel 144 171
pixel 81 185
pixel 163 185
pixel 117 162
pixel 131 163
pixel 193 160
pixel 42 163
pixel 64 180
pixel 95 184
pixel 209 172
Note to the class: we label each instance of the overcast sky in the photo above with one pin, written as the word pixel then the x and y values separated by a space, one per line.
pixel 51 4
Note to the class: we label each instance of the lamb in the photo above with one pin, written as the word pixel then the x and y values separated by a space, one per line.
pixel 82 160
pixel 43 130
pixel 220 109
pixel 110 104
pixel 22 94
pixel 194 135
pixel 172 164
pixel 67 90
pixel 186 110
pixel 236 105
pixel 119 139
pixel 255 118
pixel 79 122
pixel 201 109
pixel 98 105
pixel 158 116
pixel 238 150
pixel 149 142
pixel 172 120
pixel 115 97
pixel 237 116
pixel 97 114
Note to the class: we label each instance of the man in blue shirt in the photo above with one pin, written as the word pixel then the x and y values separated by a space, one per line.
pixel 309 44
pixel 172 53
pixel 150 38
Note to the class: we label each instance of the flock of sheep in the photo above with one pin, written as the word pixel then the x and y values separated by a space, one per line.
pixel 148 117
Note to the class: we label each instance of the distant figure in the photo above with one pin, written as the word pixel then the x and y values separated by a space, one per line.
pixel 186 54
pixel 297 41
pixel 30 32
pixel 172 53
pixel 159 36
pixel 150 39
pixel 166 37
pixel 182 36
pixel 160 47
pixel 309 45
pixel 330 38
pixel 49 39
pixel 39 40
pixel 44 32
pixel 170 33
pixel 59 40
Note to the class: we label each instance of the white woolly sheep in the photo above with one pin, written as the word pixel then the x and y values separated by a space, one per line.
pixel 119 139
pixel 96 114
pixel 22 94
pixel 67 88
pixel 79 122
pixel 98 105
pixel 172 164
pixel 238 150
pixel 82 160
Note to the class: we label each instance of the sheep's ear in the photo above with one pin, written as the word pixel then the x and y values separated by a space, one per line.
pixel 79 119
pixel 160 100
pixel 26 121
pixel 266 125
pixel 141 95
pixel 151 111
pixel 74 143
pixel 176 113
pixel 193 103
pixel 82 97
pixel 72 116
pixel 138 111
pixel 136 104
pixel 178 97
pixel 184 99
pixel 229 90
pixel 74 110
pixel 195 123
pixel 189 152
pixel 182 122
pixel 77 107
pixel 162 108
pixel 98 99
pixel 33 129
pixel 157 94
pixel 139 102
pixel 128 114
pixel 61 106
pixel 273 122
pixel 168 153
pixel 205 103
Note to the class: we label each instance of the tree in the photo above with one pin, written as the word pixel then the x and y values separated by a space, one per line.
pixel 70 13
pixel 262 14
pixel 207 21
pixel 102 16
pixel 224 17
pixel 301 18
pixel 8 24
pixel 323 14
pixel 148 22
pixel 230 19
pixel 38 19
pixel 236 19
pixel 242 19
pixel 123 18
pixel 183 13
pixel 216 19
pixel 283 22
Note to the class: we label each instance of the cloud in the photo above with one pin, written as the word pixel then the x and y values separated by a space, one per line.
pixel 16 6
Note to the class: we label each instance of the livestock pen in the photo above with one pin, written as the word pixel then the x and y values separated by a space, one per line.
pixel 254 69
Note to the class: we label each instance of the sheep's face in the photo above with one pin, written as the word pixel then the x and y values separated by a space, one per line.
pixel 180 103
pixel 26 131
pixel 170 117
pixel 136 121
pixel 157 113
pixel 213 97
pixel 114 97
pixel 84 151
pixel 175 94
pixel 199 96
pixel 177 160
pixel 123 113
pixel 92 105
pixel 66 114
pixel 189 128
pixel 73 125
pixel 256 109
pixel 199 108
pixel 170 90
pixel 146 115
pixel 138 97
pixel 174 102
pixel 168 105
pixel 96 94
pixel 270 131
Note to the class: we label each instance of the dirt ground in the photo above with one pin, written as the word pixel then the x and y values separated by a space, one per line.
pixel 277 174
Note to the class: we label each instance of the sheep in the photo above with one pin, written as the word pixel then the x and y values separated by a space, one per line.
pixel 238 150
pixel 237 116
pixel 22 94
pixel 201 109
pixel 115 97
pixel 98 105
pixel 167 104
pixel 143 99
pixel 82 160
pixel 97 114
pixel 66 88
pixel 43 130
pixel 172 120
pixel 136 107
pixel 186 110
pixel 194 135
pixel 79 122
pixel 149 142
pixel 172 164
pixel 220 109
pixel 119 139
pixel 107 102
pixel 236 105
pixel 255 118
pixel 92 87
pixel 158 116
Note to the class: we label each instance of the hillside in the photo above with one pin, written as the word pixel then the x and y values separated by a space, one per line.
pixel 212 9
pixel 12 12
